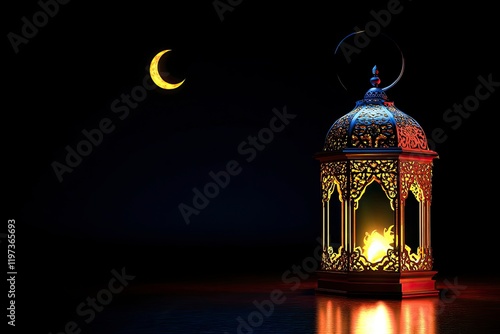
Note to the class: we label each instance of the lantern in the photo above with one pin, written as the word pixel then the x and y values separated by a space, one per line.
pixel 376 172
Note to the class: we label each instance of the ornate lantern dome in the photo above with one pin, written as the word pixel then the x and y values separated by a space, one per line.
pixel 375 123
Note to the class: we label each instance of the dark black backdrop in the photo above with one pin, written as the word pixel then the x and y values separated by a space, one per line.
pixel 119 205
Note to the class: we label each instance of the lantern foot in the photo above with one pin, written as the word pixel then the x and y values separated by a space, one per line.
pixel 390 285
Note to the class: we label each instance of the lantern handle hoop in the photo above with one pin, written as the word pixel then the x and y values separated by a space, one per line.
pixel 401 52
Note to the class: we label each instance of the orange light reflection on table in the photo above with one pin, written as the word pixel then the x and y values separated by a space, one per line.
pixel 336 314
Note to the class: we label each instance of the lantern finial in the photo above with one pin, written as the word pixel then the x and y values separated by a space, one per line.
pixel 375 80
pixel 375 93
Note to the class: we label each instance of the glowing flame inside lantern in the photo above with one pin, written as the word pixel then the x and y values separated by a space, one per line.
pixel 376 245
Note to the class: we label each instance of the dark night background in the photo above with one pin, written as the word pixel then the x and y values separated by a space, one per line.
pixel 119 206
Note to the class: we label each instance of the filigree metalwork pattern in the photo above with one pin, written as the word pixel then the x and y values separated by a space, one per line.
pixel 373 127
pixel 373 124
pixel 375 95
pixel 335 261
pixel 410 133
pixel 422 260
pixel 334 174
pixel 337 136
pixel 363 172
pixel 358 262
pixel 416 177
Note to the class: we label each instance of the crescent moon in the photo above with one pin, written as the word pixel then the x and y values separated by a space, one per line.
pixel 155 75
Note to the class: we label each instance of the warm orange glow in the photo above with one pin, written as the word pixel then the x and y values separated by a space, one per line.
pixel 376 245
pixel 361 316
pixel 375 318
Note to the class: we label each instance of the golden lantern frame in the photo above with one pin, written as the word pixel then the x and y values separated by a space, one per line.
pixel 376 142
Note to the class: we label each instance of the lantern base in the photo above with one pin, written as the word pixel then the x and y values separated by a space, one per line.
pixel 396 285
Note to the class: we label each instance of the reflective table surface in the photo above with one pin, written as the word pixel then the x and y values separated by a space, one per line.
pixel 271 304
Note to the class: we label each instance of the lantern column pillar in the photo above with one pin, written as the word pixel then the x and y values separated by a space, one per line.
pixel 400 221
pixel 326 225
pixel 425 231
